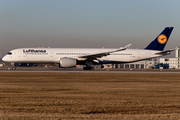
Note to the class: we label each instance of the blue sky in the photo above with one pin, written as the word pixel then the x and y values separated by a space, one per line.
pixel 86 23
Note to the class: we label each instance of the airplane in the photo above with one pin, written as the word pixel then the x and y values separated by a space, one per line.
pixel 70 57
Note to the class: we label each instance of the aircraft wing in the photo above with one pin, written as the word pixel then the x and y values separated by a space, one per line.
pixel 165 52
pixel 99 55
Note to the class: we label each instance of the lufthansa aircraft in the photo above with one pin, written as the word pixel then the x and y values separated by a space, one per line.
pixel 70 57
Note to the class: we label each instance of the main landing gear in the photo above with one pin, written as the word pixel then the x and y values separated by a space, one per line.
pixel 88 68
pixel 12 68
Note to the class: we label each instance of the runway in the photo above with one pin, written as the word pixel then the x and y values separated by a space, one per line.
pixel 88 72
pixel 78 70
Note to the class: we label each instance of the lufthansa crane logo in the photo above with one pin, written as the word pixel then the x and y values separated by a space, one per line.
pixel 162 39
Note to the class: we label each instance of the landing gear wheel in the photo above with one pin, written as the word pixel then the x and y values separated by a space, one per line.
pixel 85 68
pixel 92 68
pixel 13 68
pixel 88 68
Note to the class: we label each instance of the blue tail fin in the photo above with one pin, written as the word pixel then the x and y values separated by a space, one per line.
pixel 160 42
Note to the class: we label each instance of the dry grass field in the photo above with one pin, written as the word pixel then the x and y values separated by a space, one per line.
pixel 89 96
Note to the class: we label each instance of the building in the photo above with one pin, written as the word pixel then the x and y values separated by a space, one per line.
pixel 171 61
pixel 174 63
pixel 177 55
pixel 146 64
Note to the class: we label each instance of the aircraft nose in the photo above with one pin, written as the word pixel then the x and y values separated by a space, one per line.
pixel 4 58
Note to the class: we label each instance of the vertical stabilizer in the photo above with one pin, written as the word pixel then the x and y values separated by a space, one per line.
pixel 160 42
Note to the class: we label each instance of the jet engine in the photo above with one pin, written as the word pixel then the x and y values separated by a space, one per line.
pixel 67 62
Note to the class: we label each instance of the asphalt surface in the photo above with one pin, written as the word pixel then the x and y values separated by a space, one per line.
pixel 80 70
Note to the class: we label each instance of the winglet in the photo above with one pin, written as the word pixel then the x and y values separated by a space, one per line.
pixel 127 46
pixel 124 48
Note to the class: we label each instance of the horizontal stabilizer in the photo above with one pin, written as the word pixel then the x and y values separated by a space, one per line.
pixel 165 52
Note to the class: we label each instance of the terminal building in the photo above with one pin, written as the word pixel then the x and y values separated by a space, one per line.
pixel 174 63
pixel 146 64
pixel 177 55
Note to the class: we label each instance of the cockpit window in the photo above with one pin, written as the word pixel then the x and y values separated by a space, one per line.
pixel 9 53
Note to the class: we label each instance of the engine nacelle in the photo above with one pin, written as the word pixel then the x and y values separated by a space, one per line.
pixel 67 62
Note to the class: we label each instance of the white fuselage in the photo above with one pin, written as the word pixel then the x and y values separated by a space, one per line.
pixel 53 55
